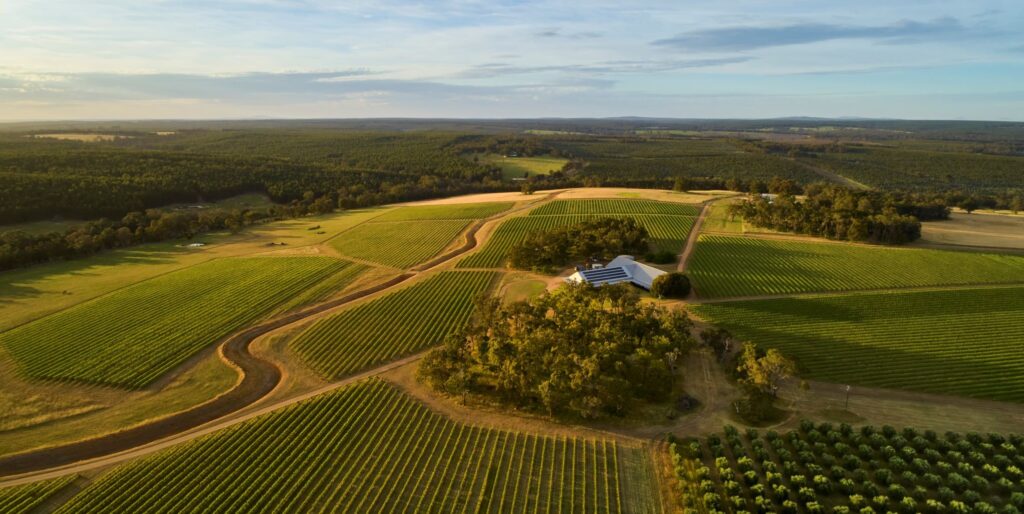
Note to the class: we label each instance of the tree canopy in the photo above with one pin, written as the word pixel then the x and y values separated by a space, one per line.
pixel 580 351
pixel 602 237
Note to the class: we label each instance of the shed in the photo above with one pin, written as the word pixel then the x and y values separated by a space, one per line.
pixel 623 268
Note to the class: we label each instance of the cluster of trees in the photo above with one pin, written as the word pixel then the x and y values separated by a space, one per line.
pixel 602 238
pixel 760 373
pixel 838 213
pixel 580 351
pixel 671 285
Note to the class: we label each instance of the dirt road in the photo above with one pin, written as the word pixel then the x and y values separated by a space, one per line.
pixel 691 240
pixel 258 378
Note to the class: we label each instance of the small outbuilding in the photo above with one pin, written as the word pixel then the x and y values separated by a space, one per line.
pixel 623 268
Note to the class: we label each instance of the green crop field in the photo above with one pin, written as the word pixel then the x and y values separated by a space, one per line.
pixel 522 167
pixel 26 498
pixel 823 468
pixel 968 342
pixel 370 448
pixel 133 336
pixel 463 211
pixel 392 326
pixel 400 244
pixel 614 206
pixel 668 224
pixel 902 168
pixel 326 288
pixel 724 266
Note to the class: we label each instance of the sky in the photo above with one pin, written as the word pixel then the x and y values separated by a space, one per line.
pixel 205 59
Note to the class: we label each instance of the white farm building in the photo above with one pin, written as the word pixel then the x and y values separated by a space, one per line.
pixel 621 269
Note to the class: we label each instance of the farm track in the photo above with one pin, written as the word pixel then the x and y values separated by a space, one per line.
pixel 691 239
pixel 258 378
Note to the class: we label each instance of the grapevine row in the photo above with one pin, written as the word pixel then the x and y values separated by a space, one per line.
pixel 368 448
pixel 398 244
pixel 890 339
pixel 725 266
pixel 392 326
pixel 133 336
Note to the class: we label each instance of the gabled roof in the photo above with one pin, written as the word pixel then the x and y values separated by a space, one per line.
pixel 621 269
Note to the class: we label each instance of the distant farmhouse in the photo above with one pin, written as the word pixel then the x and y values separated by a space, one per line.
pixel 621 269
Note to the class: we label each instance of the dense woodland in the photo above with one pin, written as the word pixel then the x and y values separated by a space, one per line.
pixel 838 213
pixel 340 165
pixel 601 238
pixel 579 352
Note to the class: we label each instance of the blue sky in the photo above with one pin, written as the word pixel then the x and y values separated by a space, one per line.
pixel 100 59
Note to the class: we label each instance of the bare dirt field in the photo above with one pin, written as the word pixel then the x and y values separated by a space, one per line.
pixel 982 230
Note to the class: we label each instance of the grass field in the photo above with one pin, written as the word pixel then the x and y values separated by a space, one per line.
pixel 828 468
pixel 968 342
pixel 724 266
pixel 668 224
pixel 31 293
pixel 461 211
pixel 522 167
pixel 400 244
pixel 132 337
pixel 392 326
pixel 987 230
pixel 370 448
pixel 26 498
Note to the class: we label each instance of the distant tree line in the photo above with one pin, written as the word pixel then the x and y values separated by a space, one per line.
pixel 839 213
pixel 601 238
pixel 581 351
pixel 19 249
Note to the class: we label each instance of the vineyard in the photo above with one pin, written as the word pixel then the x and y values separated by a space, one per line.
pixel 392 326
pixel 643 158
pixel 133 336
pixel 370 448
pixel 464 211
pixel 667 223
pixel 325 289
pixel 901 168
pixel 614 206
pixel 26 498
pixel 725 266
pixel 892 339
pixel 826 469
pixel 398 244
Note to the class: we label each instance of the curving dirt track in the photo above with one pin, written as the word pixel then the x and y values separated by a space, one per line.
pixel 258 378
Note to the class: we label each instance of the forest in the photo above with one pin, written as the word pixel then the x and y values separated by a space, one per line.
pixel 839 213
pixel 309 167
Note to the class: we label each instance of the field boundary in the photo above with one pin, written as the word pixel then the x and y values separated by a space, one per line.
pixel 258 378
